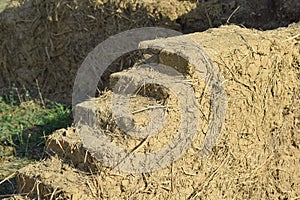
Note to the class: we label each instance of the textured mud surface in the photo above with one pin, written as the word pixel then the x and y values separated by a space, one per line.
pixel 257 155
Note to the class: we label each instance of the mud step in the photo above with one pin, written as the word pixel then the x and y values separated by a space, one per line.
pixel 52 179
pixel 136 79
pixel 66 144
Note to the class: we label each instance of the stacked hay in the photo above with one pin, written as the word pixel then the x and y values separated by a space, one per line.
pixel 43 43
pixel 47 40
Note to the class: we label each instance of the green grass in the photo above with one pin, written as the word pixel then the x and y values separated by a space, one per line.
pixel 3 3
pixel 24 126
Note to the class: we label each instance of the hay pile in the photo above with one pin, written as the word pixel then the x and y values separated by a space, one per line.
pixel 43 43
pixel 48 40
